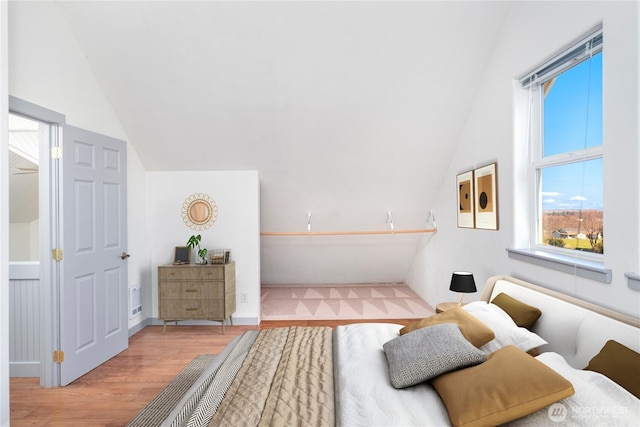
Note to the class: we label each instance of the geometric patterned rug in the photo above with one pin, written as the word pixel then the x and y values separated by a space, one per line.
pixel 323 302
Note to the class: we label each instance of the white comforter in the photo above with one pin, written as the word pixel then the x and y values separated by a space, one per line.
pixel 364 393
pixel 598 401
pixel 365 396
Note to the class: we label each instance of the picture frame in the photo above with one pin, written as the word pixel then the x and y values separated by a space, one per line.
pixel 181 255
pixel 486 197
pixel 466 201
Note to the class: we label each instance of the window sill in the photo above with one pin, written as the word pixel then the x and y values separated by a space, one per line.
pixel 580 267
pixel 633 281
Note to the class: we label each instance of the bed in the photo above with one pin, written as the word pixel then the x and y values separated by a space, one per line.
pixel 517 356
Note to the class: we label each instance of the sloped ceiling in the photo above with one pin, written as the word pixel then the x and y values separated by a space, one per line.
pixel 343 107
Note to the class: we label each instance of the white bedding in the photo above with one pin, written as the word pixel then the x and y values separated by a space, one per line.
pixel 364 391
pixel 598 401
pixel 506 331
pixel 365 396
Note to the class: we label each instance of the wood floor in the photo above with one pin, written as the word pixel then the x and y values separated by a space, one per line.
pixel 116 391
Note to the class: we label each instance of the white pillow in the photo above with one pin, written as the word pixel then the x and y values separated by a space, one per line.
pixel 597 400
pixel 505 329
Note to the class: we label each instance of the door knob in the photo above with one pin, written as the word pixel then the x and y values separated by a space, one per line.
pixel 124 255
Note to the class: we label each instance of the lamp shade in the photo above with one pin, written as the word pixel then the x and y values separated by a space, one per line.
pixel 462 281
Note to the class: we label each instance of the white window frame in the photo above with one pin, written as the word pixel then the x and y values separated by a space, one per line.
pixel 537 165
pixel 581 263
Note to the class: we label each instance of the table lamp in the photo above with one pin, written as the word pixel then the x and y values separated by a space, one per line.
pixel 462 281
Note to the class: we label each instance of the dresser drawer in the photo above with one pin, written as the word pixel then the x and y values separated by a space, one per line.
pixel 191 309
pixel 191 273
pixel 190 290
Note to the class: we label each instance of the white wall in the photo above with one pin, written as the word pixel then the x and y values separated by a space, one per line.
pixel 23 241
pixel 489 135
pixel 4 220
pixel 20 241
pixel 137 220
pixel 339 259
pixel 237 227
pixel 48 68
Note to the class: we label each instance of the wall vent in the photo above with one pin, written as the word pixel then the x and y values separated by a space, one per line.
pixel 135 301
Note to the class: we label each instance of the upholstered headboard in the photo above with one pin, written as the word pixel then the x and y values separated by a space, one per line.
pixel 573 328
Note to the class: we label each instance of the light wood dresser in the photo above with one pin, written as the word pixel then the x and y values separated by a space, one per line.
pixel 192 291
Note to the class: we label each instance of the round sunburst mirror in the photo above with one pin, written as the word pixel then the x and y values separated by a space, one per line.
pixel 199 211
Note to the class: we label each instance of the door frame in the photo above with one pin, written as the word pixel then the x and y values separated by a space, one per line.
pixel 49 230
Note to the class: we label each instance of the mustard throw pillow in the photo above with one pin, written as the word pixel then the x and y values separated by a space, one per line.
pixel 523 315
pixel 476 332
pixel 508 386
pixel 620 364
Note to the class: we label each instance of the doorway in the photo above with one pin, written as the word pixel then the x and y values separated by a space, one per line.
pixel 24 244
pixel 41 272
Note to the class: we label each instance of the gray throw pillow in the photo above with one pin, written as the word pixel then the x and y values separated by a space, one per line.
pixel 428 352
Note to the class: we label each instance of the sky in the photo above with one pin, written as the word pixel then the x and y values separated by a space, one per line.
pixel 573 121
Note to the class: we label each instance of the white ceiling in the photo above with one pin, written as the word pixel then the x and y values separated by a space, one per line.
pixel 331 100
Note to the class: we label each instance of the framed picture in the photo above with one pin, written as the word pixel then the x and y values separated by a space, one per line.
pixel 486 197
pixel 181 255
pixel 465 198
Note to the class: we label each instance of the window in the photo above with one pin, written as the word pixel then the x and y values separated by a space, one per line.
pixel 566 150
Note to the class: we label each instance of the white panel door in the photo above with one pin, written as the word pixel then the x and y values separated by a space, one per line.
pixel 93 292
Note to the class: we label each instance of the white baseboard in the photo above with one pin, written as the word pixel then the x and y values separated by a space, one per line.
pixel 139 326
pixel 24 369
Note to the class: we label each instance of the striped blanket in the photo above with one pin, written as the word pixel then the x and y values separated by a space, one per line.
pixel 273 377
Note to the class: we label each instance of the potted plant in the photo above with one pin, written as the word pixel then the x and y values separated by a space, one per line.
pixel 202 252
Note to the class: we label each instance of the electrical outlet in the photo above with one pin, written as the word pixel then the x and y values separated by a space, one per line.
pixel 244 297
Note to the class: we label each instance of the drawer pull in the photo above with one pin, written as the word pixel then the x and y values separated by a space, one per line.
pixel 192 290
pixel 192 309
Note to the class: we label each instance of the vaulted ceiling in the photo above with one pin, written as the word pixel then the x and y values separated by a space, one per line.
pixel 328 100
